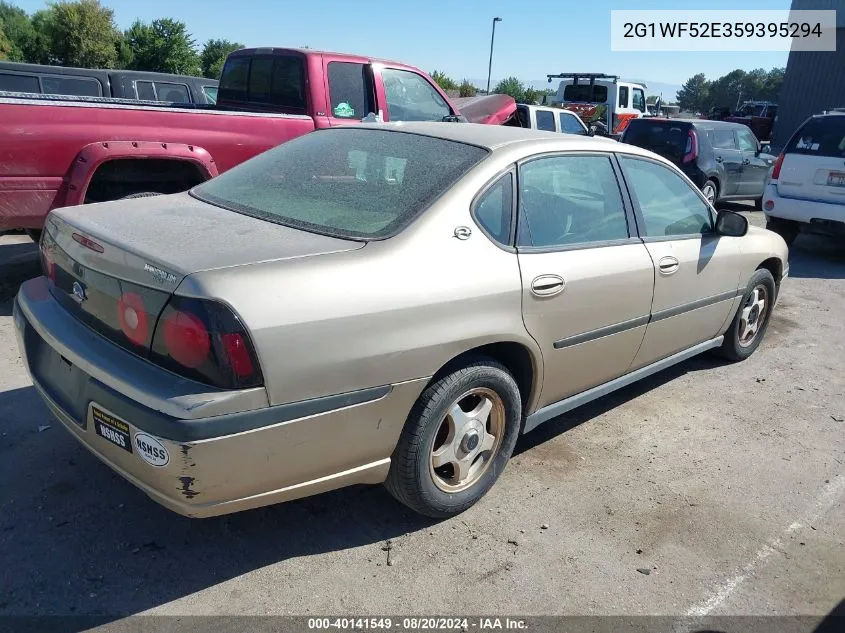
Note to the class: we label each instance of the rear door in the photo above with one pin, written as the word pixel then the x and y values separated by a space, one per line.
pixel 813 166
pixel 726 153
pixel 351 91
pixel 754 168
pixel 544 119
pixel 587 281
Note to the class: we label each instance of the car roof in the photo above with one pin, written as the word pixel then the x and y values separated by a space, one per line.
pixel 494 137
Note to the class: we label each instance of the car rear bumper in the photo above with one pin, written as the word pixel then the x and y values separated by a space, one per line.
pixel 823 216
pixel 202 466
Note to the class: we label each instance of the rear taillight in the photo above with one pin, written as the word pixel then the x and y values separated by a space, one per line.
pixel 205 341
pixel 691 150
pixel 133 318
pixel 776 168
pixel 47 251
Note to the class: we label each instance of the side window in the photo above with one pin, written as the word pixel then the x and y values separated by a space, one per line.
pixel 639 100
pixel 412 98
pixel 145 91
pixel 623 96
pixel 78 86
pixel 19 83
pixel 570 200
pixel 747 140
pixel 350 90
pixel 668 204
pixel 570 125
pixel 173 93
pixel 494 208
pixel 724 139
pixel 545 120
pixel 210 93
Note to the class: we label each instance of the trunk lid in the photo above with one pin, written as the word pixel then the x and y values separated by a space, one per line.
pixel 115 265
pixel 813 165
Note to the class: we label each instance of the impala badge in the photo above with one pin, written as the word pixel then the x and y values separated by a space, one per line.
pixel 161 276
pixel 78 292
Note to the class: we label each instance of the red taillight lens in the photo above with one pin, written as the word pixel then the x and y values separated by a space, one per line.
pixel 205 341
pixel 238 353
pixel 133 318
pixel 776 168
pixel 186 339
pixel 48 262
pixel 691 150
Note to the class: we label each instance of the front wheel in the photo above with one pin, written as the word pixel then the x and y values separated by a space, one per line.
pixel 752 318
pixel 458 438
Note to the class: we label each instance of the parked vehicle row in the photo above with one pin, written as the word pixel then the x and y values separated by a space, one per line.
pixel 120 84
pixel 548 119
pixel 62 152
pixel 219 374
pixel 599 98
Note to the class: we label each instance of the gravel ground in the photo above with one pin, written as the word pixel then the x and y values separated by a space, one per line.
pixel 707 489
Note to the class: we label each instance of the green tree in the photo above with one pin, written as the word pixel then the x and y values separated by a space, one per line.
pixel 163 46
pixel 18 31
pixel 39 48
pixel 729 89
pixel 5 43
pixel 83 34
pixel 443 80
pixel 511 86
pixel 214 55
pixel 467 89
pixel 773 84
pixel 531 96
pixel 694 95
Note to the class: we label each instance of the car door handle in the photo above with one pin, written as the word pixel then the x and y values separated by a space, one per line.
pixel 718 159
pixel 547 285
pixel 668 265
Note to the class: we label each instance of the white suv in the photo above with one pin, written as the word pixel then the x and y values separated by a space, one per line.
pixel 806 189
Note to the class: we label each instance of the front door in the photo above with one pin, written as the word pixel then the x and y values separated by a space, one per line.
pixel 587 283
pixel 754 168
pixel 696 272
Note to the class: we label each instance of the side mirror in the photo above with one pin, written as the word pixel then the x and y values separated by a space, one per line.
pixel 764 148
pixel 591 131
pixel 731 224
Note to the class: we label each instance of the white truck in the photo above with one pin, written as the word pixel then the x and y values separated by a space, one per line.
pixel 600 99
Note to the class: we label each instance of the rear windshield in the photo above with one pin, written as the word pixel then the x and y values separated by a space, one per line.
pixel 350 183
pixel 582 92
pixel 277 80
pixel 820 136
pixel 667 138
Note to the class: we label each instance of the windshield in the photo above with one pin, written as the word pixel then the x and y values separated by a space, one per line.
pixel 352 183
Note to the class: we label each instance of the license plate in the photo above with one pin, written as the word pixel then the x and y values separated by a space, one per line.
pixel 110 428
pixel 836 179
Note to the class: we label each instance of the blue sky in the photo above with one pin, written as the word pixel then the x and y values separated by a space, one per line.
pixel 536 37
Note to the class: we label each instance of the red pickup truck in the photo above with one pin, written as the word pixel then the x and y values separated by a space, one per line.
pixel 62 151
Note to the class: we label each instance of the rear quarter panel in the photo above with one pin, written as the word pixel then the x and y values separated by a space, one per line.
pixel 40 141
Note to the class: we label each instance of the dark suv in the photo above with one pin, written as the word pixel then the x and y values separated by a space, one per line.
pixel 725 160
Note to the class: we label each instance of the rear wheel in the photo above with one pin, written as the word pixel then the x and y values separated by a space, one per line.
pixel 458 438
pixel 710 191
pixel 752 318
pixel 787 229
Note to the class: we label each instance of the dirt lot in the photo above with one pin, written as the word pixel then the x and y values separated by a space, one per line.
pixel 724 482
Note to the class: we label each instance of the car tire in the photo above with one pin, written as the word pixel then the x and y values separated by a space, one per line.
pixel 787 229
pixel 142 194
pixel 707 188
pixel 421 475
pixel 34 235
pixel 752 317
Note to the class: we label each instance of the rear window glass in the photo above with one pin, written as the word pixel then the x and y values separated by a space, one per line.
pixel 173 93
pixel 582 92
pixel 821 136
pixel 79 86
pixel 349 183
pixel 661 137
pixel 722 139
pixel 350 90
pixel 278 80
pixel 545 120
pixel 19 83
pixel 144 90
